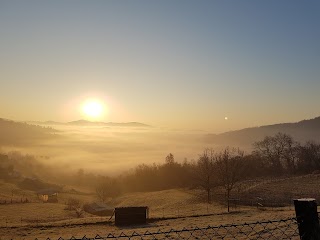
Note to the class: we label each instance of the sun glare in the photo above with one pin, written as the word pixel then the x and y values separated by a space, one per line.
pixel 92 109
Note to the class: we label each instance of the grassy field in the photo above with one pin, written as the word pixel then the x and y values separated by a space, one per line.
pixel 168 209
pixel 280 192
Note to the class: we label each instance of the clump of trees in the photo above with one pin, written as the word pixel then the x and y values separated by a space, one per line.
pixel 170 174
pixel 223 169
pixel 279 152
pixel 308 158
pixel 16 165
pixel 282 155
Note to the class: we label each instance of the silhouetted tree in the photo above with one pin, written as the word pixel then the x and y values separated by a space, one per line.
pixel 309 157
pixel 229 166
pixel 107 188
pixel 170 159
pixel 290 154
pixel 171 173
pixel 279 151
pixel 204 172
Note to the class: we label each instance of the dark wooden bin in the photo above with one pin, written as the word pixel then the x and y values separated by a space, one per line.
pixel 131 215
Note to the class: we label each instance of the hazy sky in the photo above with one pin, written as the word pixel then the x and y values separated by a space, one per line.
pixel 180 64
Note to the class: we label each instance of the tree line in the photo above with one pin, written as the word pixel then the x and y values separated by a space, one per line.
pixel 274 156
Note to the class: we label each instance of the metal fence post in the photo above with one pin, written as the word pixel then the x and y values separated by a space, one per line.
pixel 307 218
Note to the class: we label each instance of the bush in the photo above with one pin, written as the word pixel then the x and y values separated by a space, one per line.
pixel 75 205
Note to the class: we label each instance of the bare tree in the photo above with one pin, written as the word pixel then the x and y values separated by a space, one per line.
pixel 102 192
pixel 204 172
pixel 229 166
pixel 107 188
pixel 309 157
pixel 290 154
pixel 75 204
pixel 279 151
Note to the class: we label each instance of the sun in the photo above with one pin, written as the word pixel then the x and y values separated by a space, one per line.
pixel 92 109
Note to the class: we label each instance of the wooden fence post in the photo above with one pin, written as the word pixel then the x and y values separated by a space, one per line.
pixel 307 218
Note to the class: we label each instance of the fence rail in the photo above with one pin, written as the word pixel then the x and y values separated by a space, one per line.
pixel 277 229
pixel 14 200
pixel 69 218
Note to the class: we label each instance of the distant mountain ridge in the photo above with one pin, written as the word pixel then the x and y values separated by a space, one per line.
pixel 12 132
pixel 92 123
pixel 302 131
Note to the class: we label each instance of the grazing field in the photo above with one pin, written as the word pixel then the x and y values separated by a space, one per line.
pixel 175 208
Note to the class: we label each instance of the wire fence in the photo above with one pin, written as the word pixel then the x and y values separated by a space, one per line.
pixel 276 229
pixel 68 218
pixel 15 200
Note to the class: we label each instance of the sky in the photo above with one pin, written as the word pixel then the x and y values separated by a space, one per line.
pixel 208 65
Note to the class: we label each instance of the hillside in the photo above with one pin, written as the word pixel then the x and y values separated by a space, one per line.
pixel 18 133
pixel 301 131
